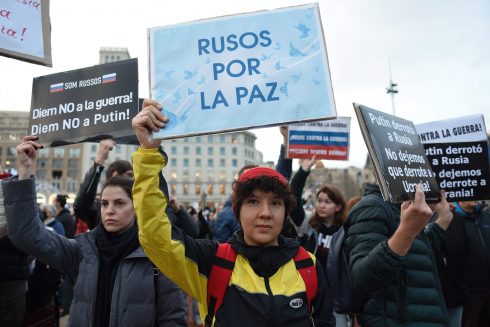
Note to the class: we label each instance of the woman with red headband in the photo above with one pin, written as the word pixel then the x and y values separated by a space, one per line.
pixel 257 278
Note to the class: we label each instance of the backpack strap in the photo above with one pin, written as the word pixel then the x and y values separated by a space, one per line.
pixel 306 268
pixel 218 280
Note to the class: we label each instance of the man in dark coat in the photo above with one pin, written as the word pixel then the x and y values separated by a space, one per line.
pixel 476 220
pixel 395 273
pixel 64 216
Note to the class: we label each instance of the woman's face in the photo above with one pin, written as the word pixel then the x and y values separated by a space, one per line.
pixel 325 207
pixel 262 216
pixel 116 210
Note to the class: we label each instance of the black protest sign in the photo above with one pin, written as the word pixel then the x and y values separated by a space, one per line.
pixel 397 154
pixel 86 104
pixel 457 150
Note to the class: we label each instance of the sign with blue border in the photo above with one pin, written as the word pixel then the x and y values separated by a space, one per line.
pixel 242 71
pixel 324 139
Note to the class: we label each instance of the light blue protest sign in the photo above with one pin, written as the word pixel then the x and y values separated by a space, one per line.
pixel 242 71
pixel 25 31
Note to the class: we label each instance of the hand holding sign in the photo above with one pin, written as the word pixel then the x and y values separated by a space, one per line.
pixel 306 164
pixel 150 119
pixel 105 147
pixel 26 153
pixel 414 217
pixel 443 211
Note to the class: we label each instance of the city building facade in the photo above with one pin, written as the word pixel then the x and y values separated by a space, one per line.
pixel 200 168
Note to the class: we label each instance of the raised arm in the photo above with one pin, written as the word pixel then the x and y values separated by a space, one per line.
pixel 187 262
pixel 297 185
pixel 183 219
pixel 26 231
pixel 376 256
pixel 85 206
pixel 284 165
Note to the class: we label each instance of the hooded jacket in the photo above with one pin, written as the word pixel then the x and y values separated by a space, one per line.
pixel 139 298
pixel 263 283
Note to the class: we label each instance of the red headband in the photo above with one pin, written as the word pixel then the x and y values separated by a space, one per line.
pixel 262 171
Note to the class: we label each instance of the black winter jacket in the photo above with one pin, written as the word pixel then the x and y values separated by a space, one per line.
pixel 400 291
pixel 13 262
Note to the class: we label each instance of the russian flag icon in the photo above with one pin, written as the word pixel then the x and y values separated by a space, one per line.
pixel 109 78
pixel 58 87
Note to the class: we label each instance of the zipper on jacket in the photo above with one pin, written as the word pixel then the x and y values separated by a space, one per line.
pixel 272 321
pixel 402 295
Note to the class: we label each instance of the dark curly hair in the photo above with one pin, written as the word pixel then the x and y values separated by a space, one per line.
pixel 268 184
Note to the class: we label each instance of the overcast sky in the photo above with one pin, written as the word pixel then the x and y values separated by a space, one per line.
pixel 439 53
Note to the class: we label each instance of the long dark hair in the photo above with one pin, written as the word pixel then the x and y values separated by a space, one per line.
pixel 336 196
pixel 123 182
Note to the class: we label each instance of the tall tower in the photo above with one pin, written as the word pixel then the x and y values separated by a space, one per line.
pixel 392 90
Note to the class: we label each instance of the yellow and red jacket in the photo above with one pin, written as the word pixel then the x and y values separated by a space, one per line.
pixel 250 300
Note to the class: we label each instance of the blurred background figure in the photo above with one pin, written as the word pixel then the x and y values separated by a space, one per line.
pixel 14 274
pixel 476 264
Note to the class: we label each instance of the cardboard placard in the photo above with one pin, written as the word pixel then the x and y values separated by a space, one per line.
pixel 241 71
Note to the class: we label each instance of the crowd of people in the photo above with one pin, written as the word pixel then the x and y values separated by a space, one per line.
pixel 133 255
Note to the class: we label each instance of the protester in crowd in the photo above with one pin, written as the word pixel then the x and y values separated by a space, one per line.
pixel 325 221
pixel 192 212
pixel 64 216
pixel 327 217
pixel 49 212
pixel 265 287
pixel 215 213
pixel 476 275
pixel 69 224
pixel 86 207
pixel 394 274
pixel 192 314
pixel 204 224
pixel 14 273
pixel 451 261
pixel 187 222
pixel 43 298
pixel 116 284
pixel 294 227
pixel 284 165
pixel 226 223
